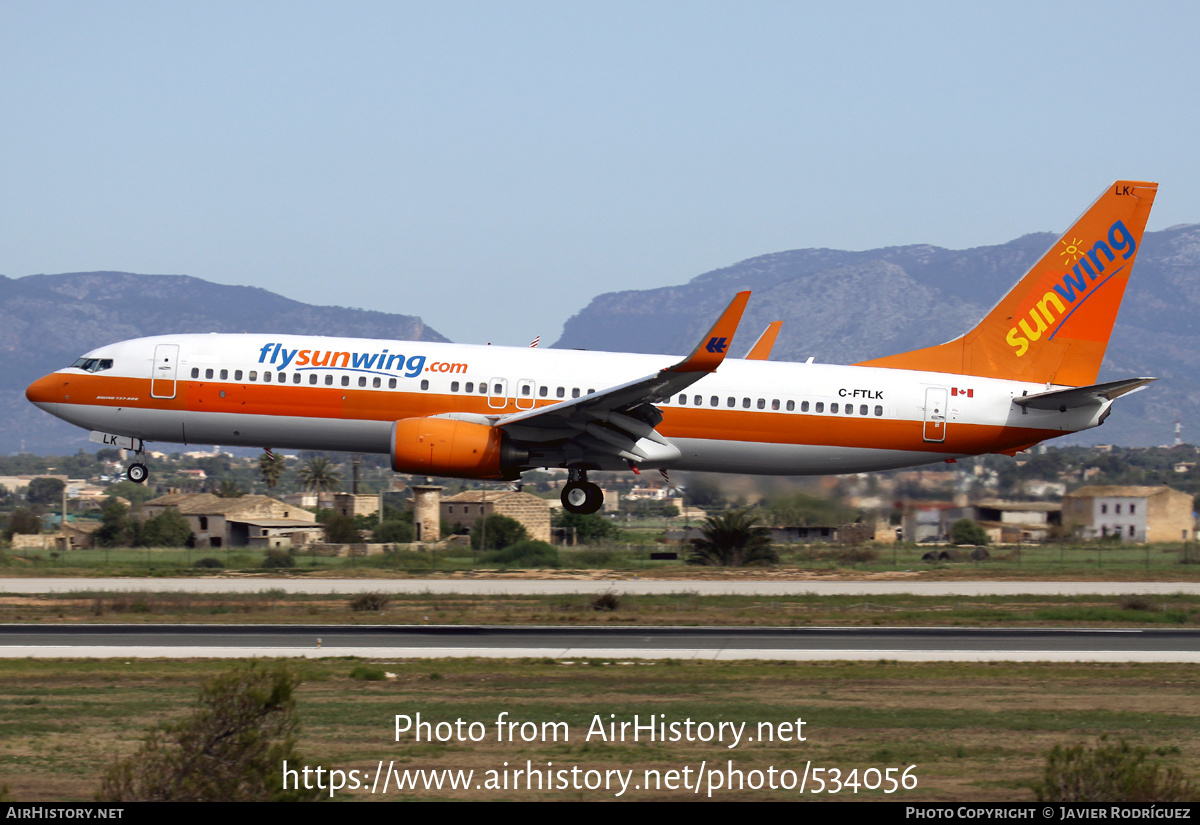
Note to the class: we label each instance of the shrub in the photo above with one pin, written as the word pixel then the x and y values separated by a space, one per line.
pixel 209 563
pixel 528 553
pixel 366 673
pixel 279 558
pixel 230 749
pixel 608 600
pixel 393 532
pixel 965 531
pixel 370 602
pixel 1110 773
pixel 497 531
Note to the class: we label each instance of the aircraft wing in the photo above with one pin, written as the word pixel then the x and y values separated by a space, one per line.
pixel 1075 397
pixel 620 420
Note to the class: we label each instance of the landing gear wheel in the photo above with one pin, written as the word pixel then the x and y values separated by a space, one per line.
pixel 138 472
pixel 582 497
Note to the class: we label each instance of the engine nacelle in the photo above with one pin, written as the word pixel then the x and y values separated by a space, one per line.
pixel 458 449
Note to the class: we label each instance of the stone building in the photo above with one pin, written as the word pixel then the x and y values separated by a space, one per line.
pixel 469 507
pixel 1136 514
pixel 239 522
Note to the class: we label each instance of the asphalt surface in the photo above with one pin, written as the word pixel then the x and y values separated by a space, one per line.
pixel 910 644
pixel 499 587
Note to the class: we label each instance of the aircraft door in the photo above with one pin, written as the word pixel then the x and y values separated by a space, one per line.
pixel 935 413
pixel 526 388
pixel 162 371
pixel 498 393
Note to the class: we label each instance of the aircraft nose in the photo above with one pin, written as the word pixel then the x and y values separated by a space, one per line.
pixel 45 390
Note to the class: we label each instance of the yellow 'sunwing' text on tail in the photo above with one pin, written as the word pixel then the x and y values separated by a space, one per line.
pixel 1054 325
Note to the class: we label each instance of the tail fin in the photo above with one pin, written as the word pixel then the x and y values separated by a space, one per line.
pixel 1054 325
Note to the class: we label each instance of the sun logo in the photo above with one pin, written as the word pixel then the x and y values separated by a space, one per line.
pixel 1072 252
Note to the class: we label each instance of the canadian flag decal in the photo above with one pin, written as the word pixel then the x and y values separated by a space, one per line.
pixel 967 393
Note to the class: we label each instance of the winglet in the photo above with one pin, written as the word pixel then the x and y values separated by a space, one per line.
pixel 761 350
pixel 710 352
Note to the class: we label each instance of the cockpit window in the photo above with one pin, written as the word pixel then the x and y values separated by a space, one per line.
pixel 93 364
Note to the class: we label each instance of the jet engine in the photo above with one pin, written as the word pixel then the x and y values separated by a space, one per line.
pixel 457 449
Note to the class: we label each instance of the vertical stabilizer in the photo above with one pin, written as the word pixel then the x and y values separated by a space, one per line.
pixel 1054 325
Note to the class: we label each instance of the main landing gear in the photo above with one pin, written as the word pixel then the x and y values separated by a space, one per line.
pixel 581 496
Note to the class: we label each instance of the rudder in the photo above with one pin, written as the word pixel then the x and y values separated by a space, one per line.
pixel 1053 326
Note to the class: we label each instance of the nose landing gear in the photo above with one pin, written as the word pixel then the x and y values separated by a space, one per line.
pixel 581 496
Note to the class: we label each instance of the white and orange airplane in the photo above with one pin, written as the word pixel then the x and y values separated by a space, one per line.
pixel 1026 373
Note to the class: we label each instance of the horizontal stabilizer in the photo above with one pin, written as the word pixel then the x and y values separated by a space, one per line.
pixel 1063 400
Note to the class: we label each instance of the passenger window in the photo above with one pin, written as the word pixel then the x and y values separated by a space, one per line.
pixel 497 389
pixel 543 390
pixel 746 403
pixel 483 388
pixel 453 386
pixel 362 380
pixel 849 409
pixel 525 389
pixel 731 401
pixel 683 399
pixel 574 392
pixel 878 409
pixel 697 400
pixel 833 408
pixel 195 372
pixel 377 383
pixel 345 380
pixel 312 378
pixel 208 373
pixel 281 377
pixel 392 383
pixel 329 380
pixel 224 375
pixel 561 392
pixel 791 406
pixel 714 401
pixel 590 391
pixel 267 377
pixel 762 404
pixel 774 403
pixel 470 386
pixel 424 383
pixel 803 406
pixel 821 407
pixel 237 375
pixel 295 378
pixel 862 409
pixel 253 375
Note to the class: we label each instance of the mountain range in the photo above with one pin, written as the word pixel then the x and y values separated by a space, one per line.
pixel 837 306
pixel 842 307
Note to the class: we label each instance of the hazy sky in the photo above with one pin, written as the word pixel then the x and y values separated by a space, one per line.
pixel 491 166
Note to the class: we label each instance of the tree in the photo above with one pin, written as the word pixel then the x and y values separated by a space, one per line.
pixel 497 531
pixel 231 749
pixel 393 532
pixel 733 539
pixel 45 491
pixel 965 531
pixel 168 529
pixel 589 529
pixel 341 529
pixel 228 488
pixel 270 467
pixel 23 521
pixel 115 526
pixel 320 475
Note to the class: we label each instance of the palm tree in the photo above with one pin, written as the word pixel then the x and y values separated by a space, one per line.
pixel 320 475
pixel 270 467
pixel 229 488
pixel 733 539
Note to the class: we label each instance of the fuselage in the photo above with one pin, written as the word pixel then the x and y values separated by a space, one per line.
pixel 344 394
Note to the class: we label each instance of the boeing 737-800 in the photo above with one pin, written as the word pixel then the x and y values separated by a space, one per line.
pixel 1024 374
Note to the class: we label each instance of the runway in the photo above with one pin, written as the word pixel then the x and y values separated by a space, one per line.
pixel 712 643
pixel 550 587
